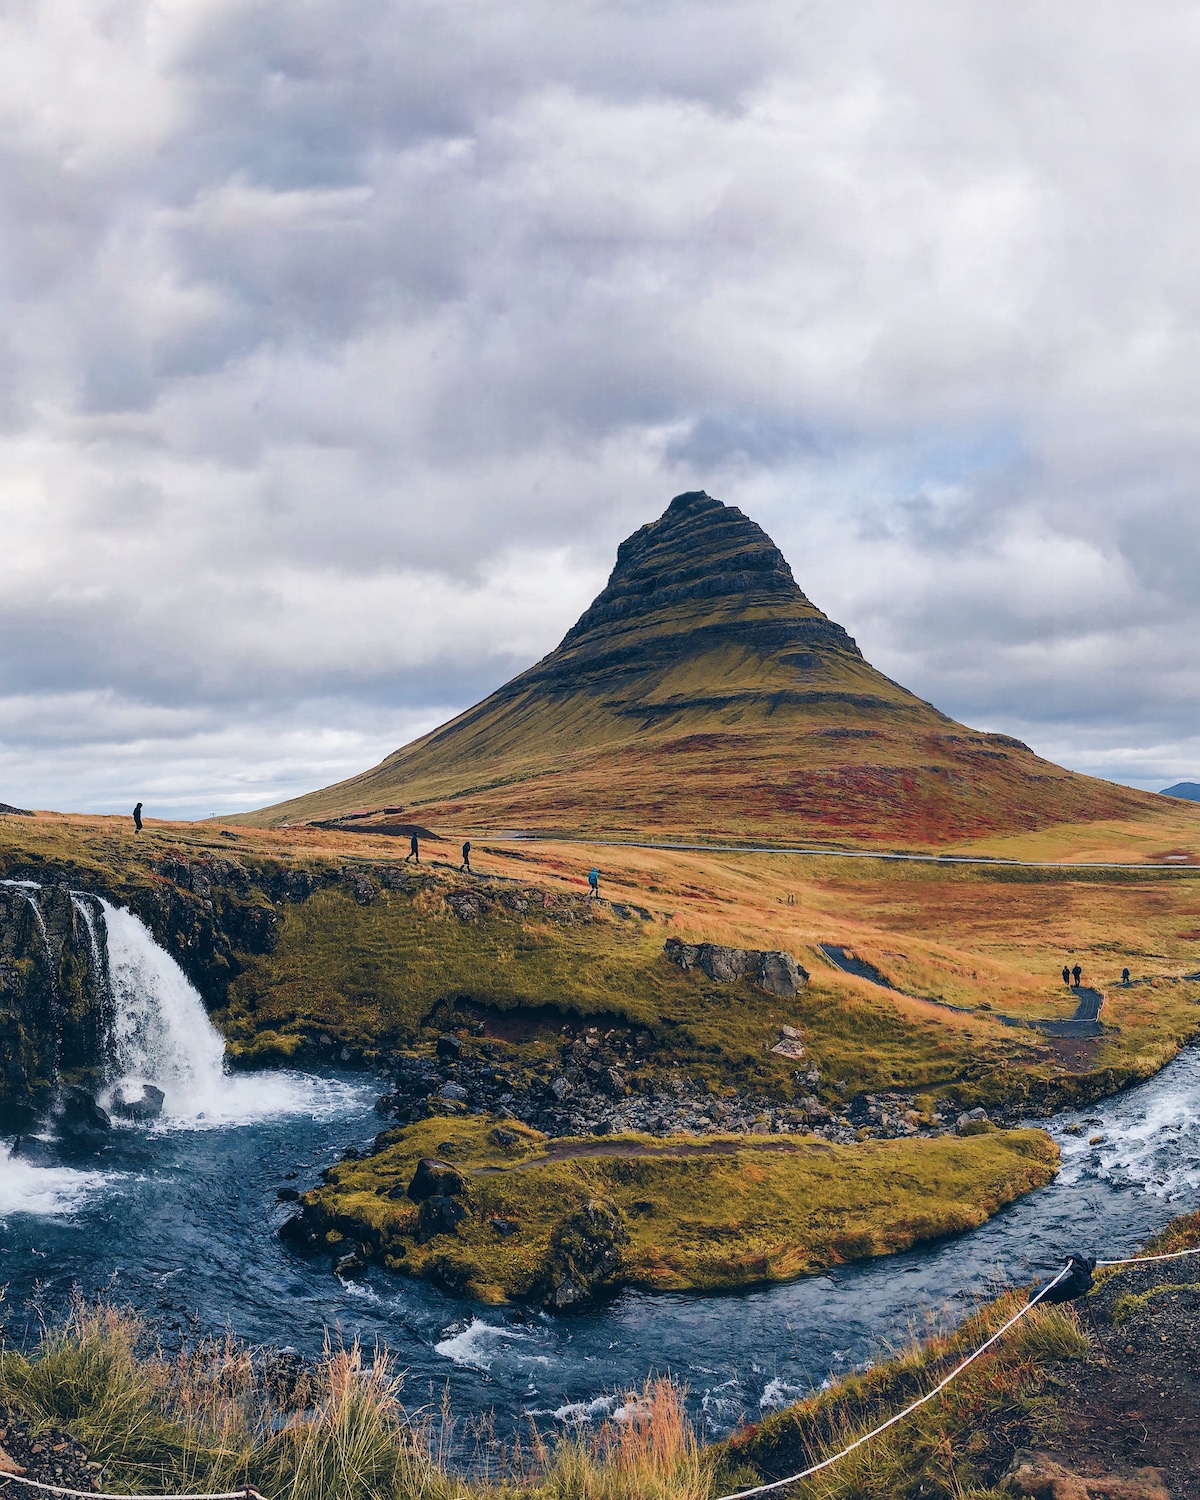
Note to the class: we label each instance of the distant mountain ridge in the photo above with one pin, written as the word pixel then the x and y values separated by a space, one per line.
pixel 703 693
pixel 1188 790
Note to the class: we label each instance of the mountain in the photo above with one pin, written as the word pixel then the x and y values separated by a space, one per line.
pixel 1188 790
pixel 703 694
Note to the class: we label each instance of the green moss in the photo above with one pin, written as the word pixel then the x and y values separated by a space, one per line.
pixel 701 1215
pixel 1133 1302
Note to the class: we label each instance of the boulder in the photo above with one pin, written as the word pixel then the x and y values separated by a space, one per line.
pixel 586 1254
pixel 777 973
pixel 37 1152
pixel 139 1102
pixel 439 1215
pixel 1042 1478
pixel 435 1179
pixel 79 1115
pixel 449 1046
pixel 780 975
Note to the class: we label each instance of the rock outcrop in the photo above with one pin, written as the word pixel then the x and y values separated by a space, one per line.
pixel 55 1009
pixel 775 972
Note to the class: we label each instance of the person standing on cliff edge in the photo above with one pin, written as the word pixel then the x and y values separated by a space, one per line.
pixel 137 818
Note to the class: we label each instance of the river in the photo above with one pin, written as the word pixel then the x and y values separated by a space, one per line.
pixel 177 1219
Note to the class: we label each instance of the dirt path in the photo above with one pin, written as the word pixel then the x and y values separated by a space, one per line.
pixel 573 1151
pixel 924 859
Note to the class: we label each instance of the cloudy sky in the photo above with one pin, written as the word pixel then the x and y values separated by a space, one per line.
pixel 343 340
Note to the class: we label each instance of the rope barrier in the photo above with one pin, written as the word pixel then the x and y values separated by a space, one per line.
pixel 825 1463
pixel 1139 1260
pixel 249 1493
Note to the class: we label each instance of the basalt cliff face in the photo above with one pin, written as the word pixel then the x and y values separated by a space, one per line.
pixel 702 693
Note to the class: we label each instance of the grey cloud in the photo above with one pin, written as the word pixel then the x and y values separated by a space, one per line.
pixel 342 343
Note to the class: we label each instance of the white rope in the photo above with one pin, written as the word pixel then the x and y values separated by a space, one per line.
pixel 245 1493
pixel 1140 1260
pixel 777 1484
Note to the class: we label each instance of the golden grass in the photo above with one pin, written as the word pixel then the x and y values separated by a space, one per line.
pixel 725 1212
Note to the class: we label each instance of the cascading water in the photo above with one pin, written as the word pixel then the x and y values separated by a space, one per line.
pixel 161 1034
pixel 80 903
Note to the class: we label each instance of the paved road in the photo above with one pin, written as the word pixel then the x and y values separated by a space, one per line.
pixel 930 859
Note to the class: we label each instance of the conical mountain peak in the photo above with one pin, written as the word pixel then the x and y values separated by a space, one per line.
pixel 697 549
pixel 702 693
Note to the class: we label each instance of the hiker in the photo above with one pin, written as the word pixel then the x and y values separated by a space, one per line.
pixel 137 818
pixel 1066 976
pixel 1077 974
pixel 466 864
pixel 1125 977
pixel 414 850
pixel 594 883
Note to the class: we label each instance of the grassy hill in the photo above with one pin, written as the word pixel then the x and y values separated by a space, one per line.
pixel 703 693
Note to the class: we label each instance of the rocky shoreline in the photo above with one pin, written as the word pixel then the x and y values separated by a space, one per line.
pixel 613 1082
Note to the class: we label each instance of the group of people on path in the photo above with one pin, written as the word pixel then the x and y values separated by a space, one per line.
pixel 414 852
pixel 1071 975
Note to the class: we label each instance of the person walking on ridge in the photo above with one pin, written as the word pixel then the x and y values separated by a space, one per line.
pixel 466 864
pixel 137 818
pixel 594 884
pixel 1077 974
pixel 414 850
pixel 1066 975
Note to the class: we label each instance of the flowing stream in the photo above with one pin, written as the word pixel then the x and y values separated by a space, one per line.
pixel 177 1217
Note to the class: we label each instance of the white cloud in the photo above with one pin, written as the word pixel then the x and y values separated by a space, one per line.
pixel 342 343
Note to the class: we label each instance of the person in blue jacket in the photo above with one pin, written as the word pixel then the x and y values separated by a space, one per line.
pixel 594 883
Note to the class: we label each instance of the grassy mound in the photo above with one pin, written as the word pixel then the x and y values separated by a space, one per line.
pixel 688 1214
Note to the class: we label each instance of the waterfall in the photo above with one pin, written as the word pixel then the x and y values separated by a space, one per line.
pixel 79 902
pixel 26 888
pixel 161 1034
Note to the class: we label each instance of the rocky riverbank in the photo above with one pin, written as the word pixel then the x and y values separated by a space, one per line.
pixel 617 1080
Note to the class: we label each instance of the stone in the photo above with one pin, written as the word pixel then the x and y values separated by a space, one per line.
pixel 586 1253
pixel 454 1092
pixel 79 1115
pixel 33 1149
pixel 467 906
pixel 439 1215
pixel 138 1102
pixel 1042 1478
pixel 613 1083
pixel 449 1046
pixel 790 1046
pixel 434 1179
pixel 362 888
pixel 286 1195
pixel 560 1087
pixel 349 1265
pixel 780 975
pixel 504 1227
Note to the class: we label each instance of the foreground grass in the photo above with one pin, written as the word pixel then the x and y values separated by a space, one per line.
pixel 707 1214
pixel 218 1418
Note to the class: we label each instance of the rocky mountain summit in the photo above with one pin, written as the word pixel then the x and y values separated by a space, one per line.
pixel 703 693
